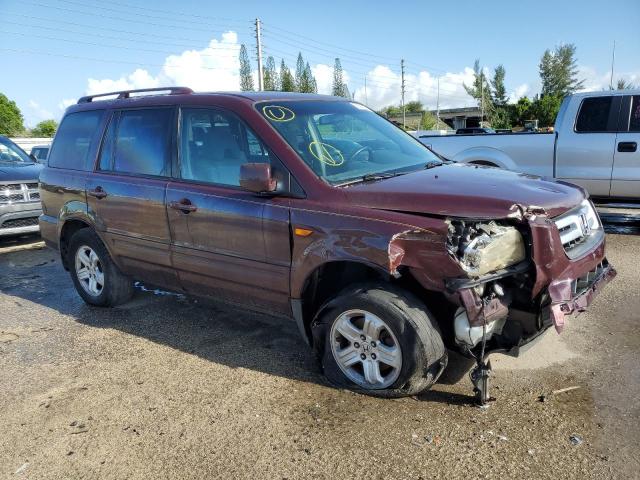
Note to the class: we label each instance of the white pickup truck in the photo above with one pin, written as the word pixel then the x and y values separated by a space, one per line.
pixel 594 144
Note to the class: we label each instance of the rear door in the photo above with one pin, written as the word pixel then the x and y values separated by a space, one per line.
pixel 584 153
pixel 126 193
pixel 625 177
pixel 227 242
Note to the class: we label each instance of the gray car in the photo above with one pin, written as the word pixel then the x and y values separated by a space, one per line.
pixel 19 196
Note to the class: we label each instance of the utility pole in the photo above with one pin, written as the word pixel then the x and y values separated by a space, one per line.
pixel 438 106
pixel 404 113
pixel 259 49
pixel 481 98
pixel 613 59
pixel 366 99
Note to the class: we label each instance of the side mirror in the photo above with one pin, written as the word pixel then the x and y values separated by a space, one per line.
pixel 256 177
pixel 33 157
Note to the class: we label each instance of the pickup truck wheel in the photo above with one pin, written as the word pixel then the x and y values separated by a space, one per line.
pixel 381 341
pixel 95 276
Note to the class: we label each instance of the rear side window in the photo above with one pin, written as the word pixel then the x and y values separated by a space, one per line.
pixel 595 115
pixel 74 139
pixel 142 142
pixel 634 120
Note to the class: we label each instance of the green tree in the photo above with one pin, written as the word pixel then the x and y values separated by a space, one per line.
pixel 308 82
pixel 559 71
pixel 300 79
pixel 287 82
pixel 481 90
pixel 246 79
pixel 11 121
pixel 623 84
pixel 428 121
pixel 522 111
pixel 314 83
pixel 339 87
pixel 499 92
pixel 545 109
pixel 414 106
pixel 46 128
pixel 271 78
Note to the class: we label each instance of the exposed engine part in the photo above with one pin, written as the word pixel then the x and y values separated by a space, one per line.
pixel 469 336
pixel 484 247
pixel 480 378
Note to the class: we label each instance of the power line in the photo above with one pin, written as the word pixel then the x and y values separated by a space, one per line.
pixel 172 13
pixel 120 19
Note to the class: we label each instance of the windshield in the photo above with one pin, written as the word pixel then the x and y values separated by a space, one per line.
pixel 344 142
pixel 11 153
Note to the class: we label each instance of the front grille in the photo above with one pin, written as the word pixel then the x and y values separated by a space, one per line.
pixel 19 192
pixel 15 197
pixel 20 222
pixel 581 284
pixel 580 229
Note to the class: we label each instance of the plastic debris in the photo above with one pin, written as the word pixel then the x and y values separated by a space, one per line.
pixel 503 438
pixel 22 468
pixel 575 439
pixel 563 390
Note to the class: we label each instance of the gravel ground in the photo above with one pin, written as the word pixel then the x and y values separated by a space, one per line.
pixel 173 387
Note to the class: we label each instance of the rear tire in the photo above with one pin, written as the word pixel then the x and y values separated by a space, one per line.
pixel 400 351
pixel 97 279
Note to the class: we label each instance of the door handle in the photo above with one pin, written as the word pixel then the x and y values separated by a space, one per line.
pixel 627 146
pixel 184 205
pixel 97 192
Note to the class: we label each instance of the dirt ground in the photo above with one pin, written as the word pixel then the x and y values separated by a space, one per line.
pixel 174 387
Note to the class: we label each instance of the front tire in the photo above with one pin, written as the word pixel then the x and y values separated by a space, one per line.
pixel 97 279
pixel 379 340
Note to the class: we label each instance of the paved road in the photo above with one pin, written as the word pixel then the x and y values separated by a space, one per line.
pixel 171 387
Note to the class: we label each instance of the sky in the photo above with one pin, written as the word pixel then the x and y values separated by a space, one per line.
pixel 54 51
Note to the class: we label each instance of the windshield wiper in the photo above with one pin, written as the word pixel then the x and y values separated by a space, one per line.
pixel 432 164
pixel 370 177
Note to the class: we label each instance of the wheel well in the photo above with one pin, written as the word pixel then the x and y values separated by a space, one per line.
pixel 328 280
pixel 69 228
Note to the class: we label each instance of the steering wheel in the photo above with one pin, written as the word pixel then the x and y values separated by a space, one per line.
pixel 359 151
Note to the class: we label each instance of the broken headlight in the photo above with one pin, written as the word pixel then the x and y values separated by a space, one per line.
pixel 484 247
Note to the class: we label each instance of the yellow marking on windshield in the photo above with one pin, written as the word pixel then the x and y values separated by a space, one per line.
pixel 276 113
pixel 327 154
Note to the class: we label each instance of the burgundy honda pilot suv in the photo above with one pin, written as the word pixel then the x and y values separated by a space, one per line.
pixel 318 209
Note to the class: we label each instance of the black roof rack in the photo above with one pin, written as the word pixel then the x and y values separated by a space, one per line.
pixel 127 93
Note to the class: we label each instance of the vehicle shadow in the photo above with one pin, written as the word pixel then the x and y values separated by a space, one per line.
pixel 214 331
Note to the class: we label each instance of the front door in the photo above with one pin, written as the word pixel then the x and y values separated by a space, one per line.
pixel 584 154
pixel 126 193
pixel 625 178
pixel 218 229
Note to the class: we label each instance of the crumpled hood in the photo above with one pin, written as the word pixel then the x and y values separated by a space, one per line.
pixel 470 191
pixel 18 171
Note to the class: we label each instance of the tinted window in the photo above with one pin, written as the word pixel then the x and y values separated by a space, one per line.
pixel 214 144
pixel 73 140
pixel 634 120
pixel 142 142
pixel 594 115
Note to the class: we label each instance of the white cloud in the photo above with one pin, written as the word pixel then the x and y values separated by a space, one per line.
pixel 384 88
pixel 519 92
pixel 215 67
pixel 595 80
pixel 39 113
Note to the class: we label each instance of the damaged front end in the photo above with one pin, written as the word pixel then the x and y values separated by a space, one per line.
pixel 522 275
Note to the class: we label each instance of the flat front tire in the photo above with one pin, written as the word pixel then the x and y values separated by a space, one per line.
pixel 379 340
pixel 97 279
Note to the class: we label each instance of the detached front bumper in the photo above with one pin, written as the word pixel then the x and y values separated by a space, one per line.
pixel 571 295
